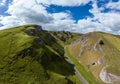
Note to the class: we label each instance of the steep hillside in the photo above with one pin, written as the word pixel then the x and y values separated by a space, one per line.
pixel 30 55
pixel 99 53
pixel 65 37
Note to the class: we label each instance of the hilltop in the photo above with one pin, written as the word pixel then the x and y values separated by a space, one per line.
pixel 99 54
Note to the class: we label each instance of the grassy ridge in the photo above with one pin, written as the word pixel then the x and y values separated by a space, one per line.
pixel 30 55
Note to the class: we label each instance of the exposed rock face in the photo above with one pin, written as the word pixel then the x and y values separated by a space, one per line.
pixel 108 77
pixel 82 39
pixel 35 31
pixel 98 47
pixel 101 61
pixel 39 41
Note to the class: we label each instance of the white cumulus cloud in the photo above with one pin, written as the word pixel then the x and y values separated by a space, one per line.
pixel 102 21
pixel 113 5
pixel 64 2
pixel 31 12
pixel 2 2
pixel 34 12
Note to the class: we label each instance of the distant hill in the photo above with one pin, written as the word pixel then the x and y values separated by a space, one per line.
pixel 99 53
pixel 31 55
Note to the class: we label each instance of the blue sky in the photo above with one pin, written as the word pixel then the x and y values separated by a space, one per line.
pixel 77 12
pixel 70 15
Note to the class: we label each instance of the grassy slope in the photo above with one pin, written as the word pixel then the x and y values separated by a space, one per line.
pixel 33 59
pixel 111 53
pixel 68 38
pixel 86 74
pixel 113 57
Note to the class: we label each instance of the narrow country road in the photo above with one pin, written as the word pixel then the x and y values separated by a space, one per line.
pixel 76 70
pixel 80 76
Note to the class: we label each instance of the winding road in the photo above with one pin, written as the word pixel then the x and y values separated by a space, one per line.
pixel 76 70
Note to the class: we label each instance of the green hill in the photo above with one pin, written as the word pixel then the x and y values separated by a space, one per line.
pixel 99 54
pixel 30 55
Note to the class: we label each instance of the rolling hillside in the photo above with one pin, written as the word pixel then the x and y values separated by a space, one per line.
pixel 99 54
pixel 30 55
